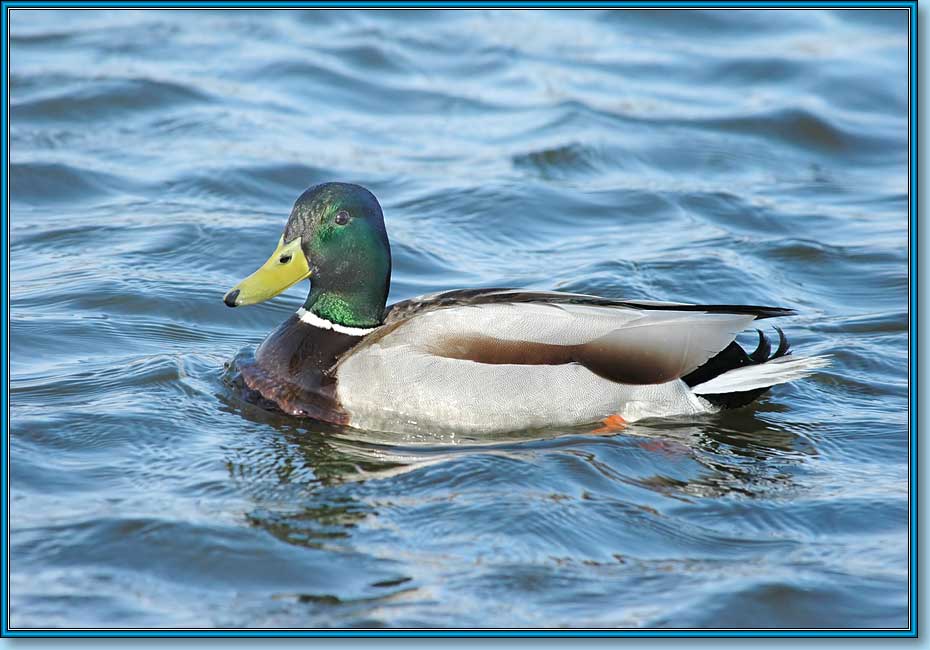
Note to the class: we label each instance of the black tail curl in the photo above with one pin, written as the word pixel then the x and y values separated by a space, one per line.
pixel 731 357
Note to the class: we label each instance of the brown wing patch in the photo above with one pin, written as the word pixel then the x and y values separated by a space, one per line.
pixel 602 356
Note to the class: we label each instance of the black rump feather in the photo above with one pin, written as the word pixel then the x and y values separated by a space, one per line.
pixel 731 357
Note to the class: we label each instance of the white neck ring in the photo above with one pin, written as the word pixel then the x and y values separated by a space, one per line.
pixel 310 318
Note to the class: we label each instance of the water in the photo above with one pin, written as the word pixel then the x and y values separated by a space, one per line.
pixel 705 157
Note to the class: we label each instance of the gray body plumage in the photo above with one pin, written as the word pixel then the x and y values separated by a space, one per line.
pixel 416 374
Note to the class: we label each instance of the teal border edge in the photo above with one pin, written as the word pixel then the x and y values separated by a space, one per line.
pixel 455 4
pixel 6 631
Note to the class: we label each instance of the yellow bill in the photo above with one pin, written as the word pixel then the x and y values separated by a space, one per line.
pixel 286 266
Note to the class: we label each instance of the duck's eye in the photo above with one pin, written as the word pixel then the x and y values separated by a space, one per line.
pixel 284 259
pixel 342 218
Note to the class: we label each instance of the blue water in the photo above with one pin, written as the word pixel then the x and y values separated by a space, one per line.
pixel 742 156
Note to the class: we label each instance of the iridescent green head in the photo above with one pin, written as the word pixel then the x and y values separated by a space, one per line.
pixel 336 237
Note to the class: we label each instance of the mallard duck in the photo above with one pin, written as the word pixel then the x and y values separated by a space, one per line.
pixel 483 360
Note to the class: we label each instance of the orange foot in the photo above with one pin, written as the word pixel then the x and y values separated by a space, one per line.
pixel 612 424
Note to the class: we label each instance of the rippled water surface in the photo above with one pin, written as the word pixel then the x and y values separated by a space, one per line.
pixel 695 156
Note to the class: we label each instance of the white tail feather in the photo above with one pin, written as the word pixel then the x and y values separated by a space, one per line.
pixel 763 375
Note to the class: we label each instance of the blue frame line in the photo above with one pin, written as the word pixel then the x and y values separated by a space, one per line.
pixel 485 633
pixel 4 335
pixel 913 288
pixel 597 4
pixel 5 288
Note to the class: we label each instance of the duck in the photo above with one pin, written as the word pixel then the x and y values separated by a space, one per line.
pixel 483 360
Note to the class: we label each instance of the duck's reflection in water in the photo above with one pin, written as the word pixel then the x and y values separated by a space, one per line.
pixel 313 483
